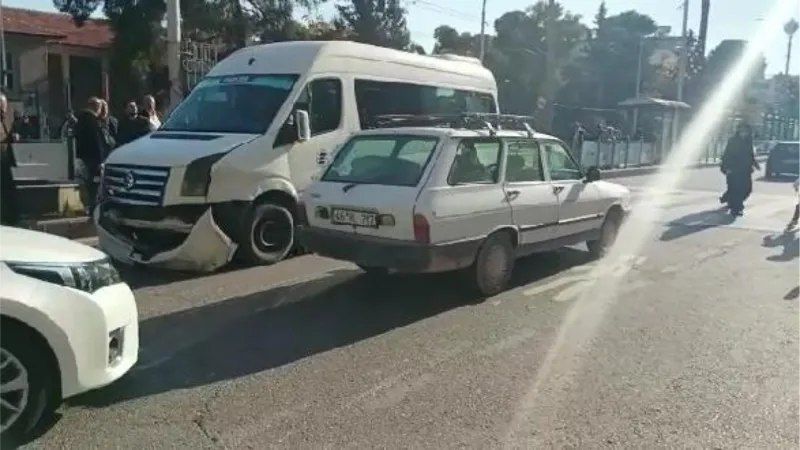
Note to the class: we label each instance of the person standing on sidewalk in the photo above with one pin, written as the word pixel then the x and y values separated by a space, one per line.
pixel 149 106
pixel 9 212
pixel 738 163
pixel 89 143
pixel 109 128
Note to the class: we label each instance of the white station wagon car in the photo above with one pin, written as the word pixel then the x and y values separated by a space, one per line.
pixel 435 194
pixel 69 324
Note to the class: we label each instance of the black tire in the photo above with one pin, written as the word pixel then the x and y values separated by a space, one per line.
pixel 608 235
pixel 493 264
pixel 27 349
pixel 268 235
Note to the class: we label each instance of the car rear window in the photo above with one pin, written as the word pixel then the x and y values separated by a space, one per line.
pixel 393 160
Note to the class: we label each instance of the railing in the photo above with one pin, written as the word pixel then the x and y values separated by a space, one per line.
pixel 623 154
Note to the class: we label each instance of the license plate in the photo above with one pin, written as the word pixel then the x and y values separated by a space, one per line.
pixel 355 218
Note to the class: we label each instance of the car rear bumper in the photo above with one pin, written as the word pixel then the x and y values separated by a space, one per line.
pixel 790 167
pixel 401 256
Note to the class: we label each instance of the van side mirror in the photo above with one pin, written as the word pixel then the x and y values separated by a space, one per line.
pixel 303 124
pixel 592 174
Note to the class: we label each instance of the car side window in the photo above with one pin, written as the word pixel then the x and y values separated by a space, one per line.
pixel 476 162
pixel 524 162
pixel 562 166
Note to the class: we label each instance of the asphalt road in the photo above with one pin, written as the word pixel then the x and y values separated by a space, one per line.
pixel 688 342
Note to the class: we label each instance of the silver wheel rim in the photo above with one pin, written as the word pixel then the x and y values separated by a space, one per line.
pixel 14 389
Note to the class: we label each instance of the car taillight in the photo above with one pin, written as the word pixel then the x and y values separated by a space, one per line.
pixel 422 230
pixel 301 216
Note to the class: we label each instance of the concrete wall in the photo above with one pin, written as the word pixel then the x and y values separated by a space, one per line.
pixel 41 160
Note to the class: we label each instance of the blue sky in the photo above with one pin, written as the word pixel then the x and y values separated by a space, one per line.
pixel 729 19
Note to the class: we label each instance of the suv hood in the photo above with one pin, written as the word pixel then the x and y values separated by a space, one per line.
pixel 21 245
pixel 172 149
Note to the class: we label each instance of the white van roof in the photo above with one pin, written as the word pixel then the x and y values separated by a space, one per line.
pixel 300 57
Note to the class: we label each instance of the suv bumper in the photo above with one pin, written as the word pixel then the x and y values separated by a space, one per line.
pixel 401 256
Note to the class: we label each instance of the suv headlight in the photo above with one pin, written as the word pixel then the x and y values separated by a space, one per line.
pixel 87 277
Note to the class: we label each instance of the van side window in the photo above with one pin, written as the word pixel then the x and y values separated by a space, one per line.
pixel 378 98
pixel 325 110
pixel 477 161
pixel 524 162
pixel 322 99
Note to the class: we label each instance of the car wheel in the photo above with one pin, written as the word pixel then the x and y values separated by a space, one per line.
pixel 608 235
pixel 493 264
pixel 269 236
pixel 28 384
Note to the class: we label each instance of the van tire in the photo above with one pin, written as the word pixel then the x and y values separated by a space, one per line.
pixel 493 264
pixel 256 247
pixel 32 353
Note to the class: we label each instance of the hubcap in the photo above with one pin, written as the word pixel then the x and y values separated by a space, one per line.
pixel 271 235
pixel 14 389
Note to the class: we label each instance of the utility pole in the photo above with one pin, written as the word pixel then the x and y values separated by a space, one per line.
pixel 483 30
pixel 174 51
pixel 3 68
pixel 682 63
pixel 551 71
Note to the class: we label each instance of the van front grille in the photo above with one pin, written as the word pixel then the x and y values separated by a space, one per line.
pixel 135 185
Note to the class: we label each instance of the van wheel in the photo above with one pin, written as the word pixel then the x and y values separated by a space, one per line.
pixel 493 265
pixel 269 236
pixel 28 384
pixel 608 235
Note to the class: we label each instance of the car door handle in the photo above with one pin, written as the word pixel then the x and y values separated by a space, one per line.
pixel 557 189
pixel 511 195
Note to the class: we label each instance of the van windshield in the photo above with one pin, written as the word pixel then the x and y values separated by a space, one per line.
pixel 393 160
pixel 231 104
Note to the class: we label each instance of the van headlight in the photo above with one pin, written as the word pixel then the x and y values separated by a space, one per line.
pixel 197 176
pixel 86 277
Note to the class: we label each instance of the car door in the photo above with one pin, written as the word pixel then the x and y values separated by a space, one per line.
pixel 579 204
pixel 534 205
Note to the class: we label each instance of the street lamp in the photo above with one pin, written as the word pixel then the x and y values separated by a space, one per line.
pixel 660 33
pixel 790 28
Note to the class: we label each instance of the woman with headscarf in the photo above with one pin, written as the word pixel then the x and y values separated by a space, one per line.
pixel 738 163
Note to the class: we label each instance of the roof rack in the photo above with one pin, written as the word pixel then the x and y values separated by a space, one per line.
pixel 470 121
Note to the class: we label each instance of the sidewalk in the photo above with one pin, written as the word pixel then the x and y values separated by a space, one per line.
pixel 82 228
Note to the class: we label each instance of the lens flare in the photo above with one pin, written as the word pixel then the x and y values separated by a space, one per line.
pixel 562 360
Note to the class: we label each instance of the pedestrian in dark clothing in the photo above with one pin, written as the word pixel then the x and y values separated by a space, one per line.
pixel 9 214
pixel 127 124
pixel 90 152
pixel 793 222
pixel 738 163
pixel 141 125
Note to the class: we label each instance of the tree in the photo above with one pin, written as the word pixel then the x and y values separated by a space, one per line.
pixel 449 40
pixel 720 61
pixel 376 22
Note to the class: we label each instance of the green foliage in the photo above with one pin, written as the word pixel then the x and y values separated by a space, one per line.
pixel 376 22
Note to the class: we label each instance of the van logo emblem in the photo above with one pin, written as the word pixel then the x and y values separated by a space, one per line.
pixel 129 181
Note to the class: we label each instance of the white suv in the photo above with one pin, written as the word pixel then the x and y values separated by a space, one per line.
pixel 68 325
pixel 438 194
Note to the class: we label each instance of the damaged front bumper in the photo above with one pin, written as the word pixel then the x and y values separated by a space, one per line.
pixel 204 249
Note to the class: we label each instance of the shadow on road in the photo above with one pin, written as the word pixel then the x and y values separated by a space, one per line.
pixel 792 294
pixel 696 222
pixel 788 242
pixel 250 334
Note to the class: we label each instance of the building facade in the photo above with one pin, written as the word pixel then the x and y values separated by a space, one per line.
pixel 52 67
